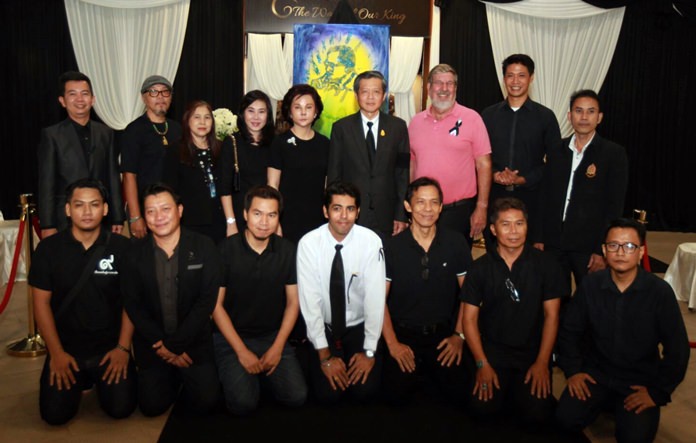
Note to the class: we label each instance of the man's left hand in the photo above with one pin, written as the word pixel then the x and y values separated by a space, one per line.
pixel 118 365
pixel 271 359
pixel 478 221
pixel 596 263
pixel 359 368
pixel 540 377
pixel 450 351
pixel 639 401
pixel 399 226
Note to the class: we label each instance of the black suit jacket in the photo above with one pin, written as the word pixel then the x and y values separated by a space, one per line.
pixel 199 277
pixel 383 184
pixel 61 161
pixel 599 190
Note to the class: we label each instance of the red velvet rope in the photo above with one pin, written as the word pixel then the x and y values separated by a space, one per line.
pixel 15 263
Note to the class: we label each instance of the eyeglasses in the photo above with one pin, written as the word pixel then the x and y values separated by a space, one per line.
pixel 426 271
pixel 514 293
pixel 441 84
pixel 155 92
pixel 628 248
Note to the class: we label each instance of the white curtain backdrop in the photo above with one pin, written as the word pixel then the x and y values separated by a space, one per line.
pixel 118 43
pixel 404 60
pixel 572 44
pixel 267 66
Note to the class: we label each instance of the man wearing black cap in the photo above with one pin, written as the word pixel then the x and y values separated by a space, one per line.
pixel 143 145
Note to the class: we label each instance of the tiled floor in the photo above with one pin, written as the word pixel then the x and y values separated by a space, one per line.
pixel 20 422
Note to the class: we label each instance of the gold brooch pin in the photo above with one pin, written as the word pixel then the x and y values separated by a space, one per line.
pixel 382 133
pixel 591 171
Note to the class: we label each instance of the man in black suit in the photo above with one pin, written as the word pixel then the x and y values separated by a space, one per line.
pixel 585 188
pixel 371 150
pixel 73 149
pixel 171 283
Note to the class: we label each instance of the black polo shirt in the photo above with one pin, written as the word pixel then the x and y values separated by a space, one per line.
pixel 255 283
pixel 511 331
pixel 92 324
pixel 415 300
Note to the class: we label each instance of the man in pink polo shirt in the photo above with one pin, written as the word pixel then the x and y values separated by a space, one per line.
pixel 449 142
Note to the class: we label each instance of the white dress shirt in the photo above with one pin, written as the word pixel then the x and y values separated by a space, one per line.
pixel 577 158
pixel 365 277
pixel 375 127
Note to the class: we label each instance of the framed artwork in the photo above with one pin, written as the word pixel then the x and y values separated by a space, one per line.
pixel 330 56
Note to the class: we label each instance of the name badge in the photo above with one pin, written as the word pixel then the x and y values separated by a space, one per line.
pixel 194 267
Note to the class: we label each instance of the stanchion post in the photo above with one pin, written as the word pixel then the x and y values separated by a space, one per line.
pixel 32 345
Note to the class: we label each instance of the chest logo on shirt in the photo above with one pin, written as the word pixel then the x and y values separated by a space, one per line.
pixel 106 266
pixel 591 171
pixel 454 132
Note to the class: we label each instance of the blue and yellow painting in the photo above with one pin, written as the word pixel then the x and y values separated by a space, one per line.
pixel 330 56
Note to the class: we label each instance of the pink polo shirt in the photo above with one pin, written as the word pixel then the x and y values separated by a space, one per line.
pixel 439 151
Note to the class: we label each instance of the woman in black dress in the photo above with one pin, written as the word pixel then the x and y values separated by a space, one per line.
pixel 298 164
pixel 192 169
pixel 248 154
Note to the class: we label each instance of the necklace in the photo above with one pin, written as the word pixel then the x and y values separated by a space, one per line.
pixel 163 133
pixel 205 160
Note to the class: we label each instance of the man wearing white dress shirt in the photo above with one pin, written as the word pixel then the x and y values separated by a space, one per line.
pixel 346 349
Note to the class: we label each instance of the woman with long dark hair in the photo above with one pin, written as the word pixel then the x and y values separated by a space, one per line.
pixel 245 156
pixel 192 169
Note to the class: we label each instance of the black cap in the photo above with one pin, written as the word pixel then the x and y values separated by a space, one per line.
pixel 154 80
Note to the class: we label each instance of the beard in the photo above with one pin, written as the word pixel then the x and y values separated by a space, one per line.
pixel 443 104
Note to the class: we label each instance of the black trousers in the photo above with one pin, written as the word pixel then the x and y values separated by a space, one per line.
pixel 399 387
pixel 574 415
pixel 514 395
pixel 572 263
pixel 351 343
pixel 160 384
pixel 458 217
pixel 118 400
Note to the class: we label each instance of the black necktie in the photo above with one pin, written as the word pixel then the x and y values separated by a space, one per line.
pixel 370 139
pixel 338 295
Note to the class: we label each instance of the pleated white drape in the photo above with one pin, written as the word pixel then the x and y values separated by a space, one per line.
pixel 118 43
pixel 404 60
pixel 267 66
pixel 572 44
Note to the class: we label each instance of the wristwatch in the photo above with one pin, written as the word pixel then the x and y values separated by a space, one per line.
pixel 459 334
pixel 369 353
pixel 231 220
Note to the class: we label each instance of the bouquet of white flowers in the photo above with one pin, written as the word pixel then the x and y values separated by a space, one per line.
pixel 225 123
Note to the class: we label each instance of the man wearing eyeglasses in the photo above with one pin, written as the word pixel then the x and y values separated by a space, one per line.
pixel 449 142
pixel 426 265
pixel 585 187
pixel 143 145
pixel 622 342
pixel 511 301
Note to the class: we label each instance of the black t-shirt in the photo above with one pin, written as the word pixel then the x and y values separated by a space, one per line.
pixel 92 323
pixel 510 330
pixel 255 295
pixel 412 298
pixel 142 150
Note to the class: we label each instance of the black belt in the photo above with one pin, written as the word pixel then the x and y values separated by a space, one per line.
pixel 458 203
pixel 424 329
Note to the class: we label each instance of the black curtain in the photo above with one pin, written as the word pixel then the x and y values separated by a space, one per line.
pixel 644 98
pixel 38 48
